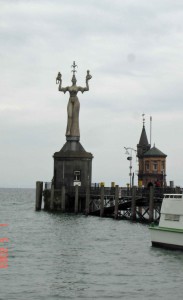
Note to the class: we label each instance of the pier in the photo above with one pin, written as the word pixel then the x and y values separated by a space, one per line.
pixel 135 204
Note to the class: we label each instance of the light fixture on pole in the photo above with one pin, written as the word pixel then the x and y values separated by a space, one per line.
pixel 130 160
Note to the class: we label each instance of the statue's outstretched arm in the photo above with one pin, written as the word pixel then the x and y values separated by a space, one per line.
pixel 59 81
pixel 88 77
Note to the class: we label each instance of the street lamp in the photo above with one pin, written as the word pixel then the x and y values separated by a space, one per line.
pixel 129 153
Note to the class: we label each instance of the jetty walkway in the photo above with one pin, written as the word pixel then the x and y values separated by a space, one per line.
pixel 136 204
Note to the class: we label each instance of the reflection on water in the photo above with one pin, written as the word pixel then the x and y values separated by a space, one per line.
pixel 62 256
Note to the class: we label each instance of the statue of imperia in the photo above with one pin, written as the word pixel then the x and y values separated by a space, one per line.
pixel 73 104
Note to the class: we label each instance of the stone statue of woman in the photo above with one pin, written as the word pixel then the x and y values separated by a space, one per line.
pixel 72 131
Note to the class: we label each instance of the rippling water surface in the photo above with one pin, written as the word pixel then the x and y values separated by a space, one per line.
pixel 62 256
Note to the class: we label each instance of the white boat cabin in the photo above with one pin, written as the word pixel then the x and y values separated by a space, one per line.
pixel 172 211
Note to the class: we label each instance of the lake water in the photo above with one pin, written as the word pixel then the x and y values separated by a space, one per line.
pixel 62 256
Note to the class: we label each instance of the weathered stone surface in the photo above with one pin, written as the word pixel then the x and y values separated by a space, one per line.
pixel 72 157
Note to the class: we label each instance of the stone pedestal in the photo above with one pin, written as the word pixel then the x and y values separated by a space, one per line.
pixel 72 165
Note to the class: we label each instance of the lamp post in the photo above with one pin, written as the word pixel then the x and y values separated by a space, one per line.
pixel 129 153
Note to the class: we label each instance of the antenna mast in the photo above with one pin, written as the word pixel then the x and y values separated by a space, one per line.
pixel 150 129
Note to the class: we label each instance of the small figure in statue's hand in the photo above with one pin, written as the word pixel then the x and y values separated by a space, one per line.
pixel 59 78
pixel 88 76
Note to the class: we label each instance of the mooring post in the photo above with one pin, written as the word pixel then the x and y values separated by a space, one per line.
pixel 151 203
pixel 52 196
pixel 79 205
pixel 87 200
pixel 39 192
pixel 101 201
pixel 133 204
pixel 116 201
pixel 76 199
pixel 63 198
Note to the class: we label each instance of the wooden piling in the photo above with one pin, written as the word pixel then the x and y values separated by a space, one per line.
pixel 133 204
pixel 63 198
pixel 76 199
pixel 87 200
pixel 101 201
pixel 116 201
pixel 39 192
pixel 79 205
pixel 151 204
pixel 52 197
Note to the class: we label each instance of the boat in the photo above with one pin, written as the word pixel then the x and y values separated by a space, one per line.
pixel 169 233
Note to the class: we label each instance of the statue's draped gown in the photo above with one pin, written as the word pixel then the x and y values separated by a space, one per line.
pixel 73 113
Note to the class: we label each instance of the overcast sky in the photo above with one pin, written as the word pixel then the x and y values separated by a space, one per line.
pixel 134 51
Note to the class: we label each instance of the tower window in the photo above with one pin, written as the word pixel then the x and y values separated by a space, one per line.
pixel 155 166
pixel 147 166
pixel 163 165
pixel 77 175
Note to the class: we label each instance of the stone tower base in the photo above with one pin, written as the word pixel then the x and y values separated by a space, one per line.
pixel 72 165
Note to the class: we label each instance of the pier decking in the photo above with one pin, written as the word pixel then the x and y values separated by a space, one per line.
pixel 136 204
